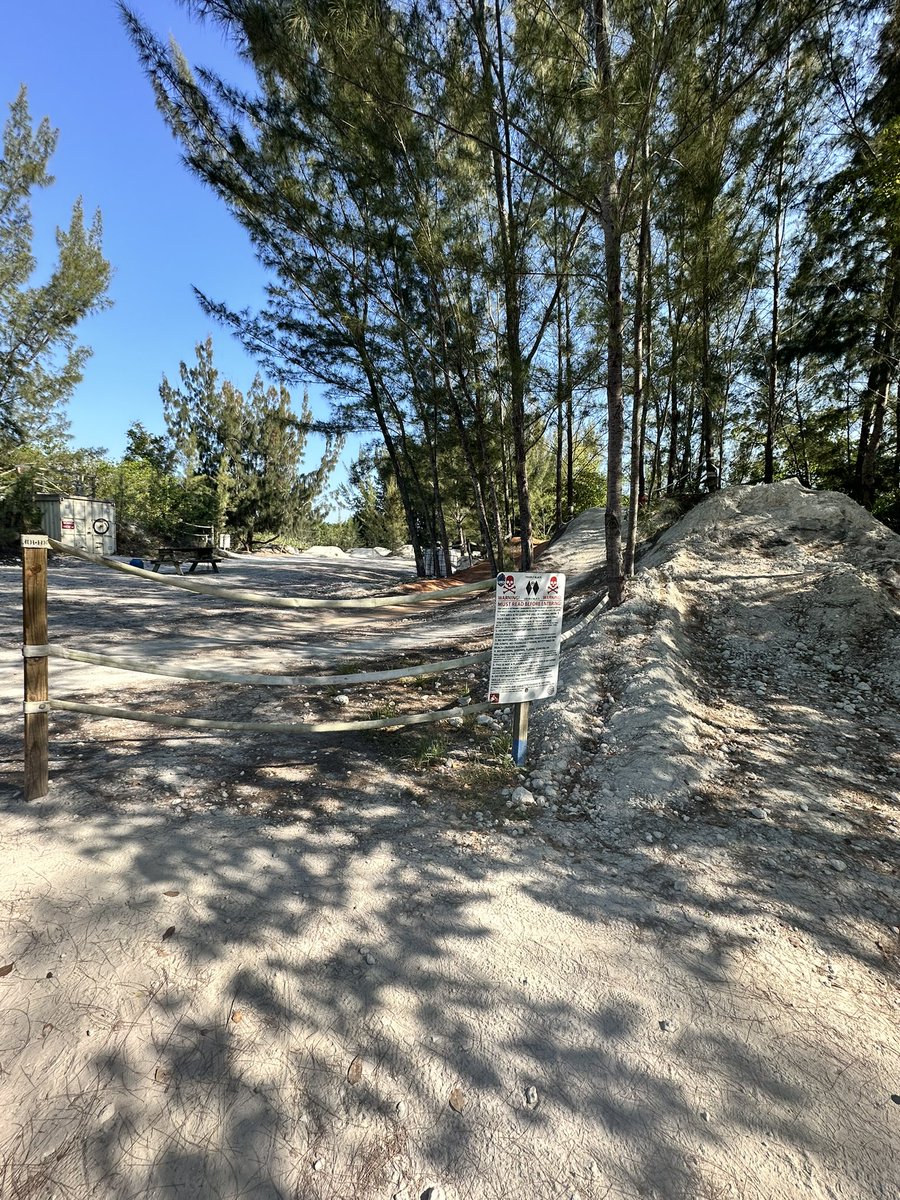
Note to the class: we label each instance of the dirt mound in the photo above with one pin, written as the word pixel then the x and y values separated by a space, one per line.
pixel 775 517
pixel 324 552
pixel 785 581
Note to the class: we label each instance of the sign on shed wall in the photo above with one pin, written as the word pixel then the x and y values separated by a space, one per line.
pixel 79 521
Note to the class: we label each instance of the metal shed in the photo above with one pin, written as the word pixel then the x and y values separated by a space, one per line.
pixel 79 521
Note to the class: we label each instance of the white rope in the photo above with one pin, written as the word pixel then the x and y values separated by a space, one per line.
pixel 198 674
pixel 150 667
pixel 598 610
pixel 127 714
pixel 265 601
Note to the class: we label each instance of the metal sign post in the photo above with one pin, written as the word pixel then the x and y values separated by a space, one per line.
pixel 525 653
pixel 520 733
pixel 34 624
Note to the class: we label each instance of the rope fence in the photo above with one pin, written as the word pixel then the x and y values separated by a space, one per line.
pixel 38 649
pixel 289 727
pixel 198 674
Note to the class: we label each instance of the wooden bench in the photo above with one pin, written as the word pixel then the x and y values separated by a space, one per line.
pixel 178 555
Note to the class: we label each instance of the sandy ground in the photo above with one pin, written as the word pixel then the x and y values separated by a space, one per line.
pixel 355 967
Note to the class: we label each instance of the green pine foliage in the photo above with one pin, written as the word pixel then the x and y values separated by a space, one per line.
pixel 240 456
pixel 41 360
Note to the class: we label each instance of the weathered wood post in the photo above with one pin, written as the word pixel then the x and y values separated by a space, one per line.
pixel 34 621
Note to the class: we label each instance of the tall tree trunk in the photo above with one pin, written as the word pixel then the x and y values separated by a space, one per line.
pixel 674 415
pixel 495 508
pixel 660 417
pixel 508 229
pixel 639 401
pixel 686 470
pixel 440 523
pixel 673 470
pixel 558 490
pixel 409 510
pixel 611 225
pixel 707 475
pixel 570 418
pixel 494 546
pixel 774 333
pixel 644 486
pixel 505 480
pixel 455 353
pixel 772 382
pixel 477 489
pixel 465 443
pixel 882 370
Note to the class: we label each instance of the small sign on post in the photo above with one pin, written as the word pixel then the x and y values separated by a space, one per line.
pixel 525 655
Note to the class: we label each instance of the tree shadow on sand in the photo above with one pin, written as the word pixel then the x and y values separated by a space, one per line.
pixel 335 993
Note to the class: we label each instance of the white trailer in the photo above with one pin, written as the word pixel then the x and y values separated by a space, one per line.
pixel 79 521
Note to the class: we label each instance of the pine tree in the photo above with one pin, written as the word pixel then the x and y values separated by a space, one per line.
pixel 846 291
pixel 242 454
pixel 40 360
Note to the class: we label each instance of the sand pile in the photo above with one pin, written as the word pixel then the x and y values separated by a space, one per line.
pixel 767 587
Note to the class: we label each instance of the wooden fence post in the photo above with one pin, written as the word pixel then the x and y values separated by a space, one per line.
pixel 34 621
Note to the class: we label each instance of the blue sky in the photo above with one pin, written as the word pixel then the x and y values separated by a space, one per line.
pixel 163 231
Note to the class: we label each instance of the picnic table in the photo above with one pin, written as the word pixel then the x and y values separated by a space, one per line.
pixel 178 555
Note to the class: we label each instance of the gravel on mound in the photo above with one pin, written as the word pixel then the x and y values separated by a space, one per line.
pixel 754 668
pixel 324 552
pixel 796 570
pixel 580 547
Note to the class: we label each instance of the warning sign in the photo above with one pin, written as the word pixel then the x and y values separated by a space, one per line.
pixel 527 627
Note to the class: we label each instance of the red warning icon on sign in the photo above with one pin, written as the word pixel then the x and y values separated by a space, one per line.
pixel 553 586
